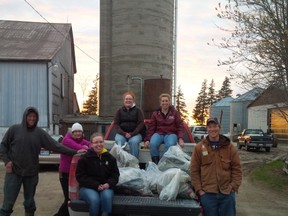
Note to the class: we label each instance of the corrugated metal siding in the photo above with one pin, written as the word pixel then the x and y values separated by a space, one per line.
pixel 238 116
pixel 22 85
pixel 215 111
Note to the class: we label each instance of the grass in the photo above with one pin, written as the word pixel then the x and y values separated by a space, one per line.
pixel 272 174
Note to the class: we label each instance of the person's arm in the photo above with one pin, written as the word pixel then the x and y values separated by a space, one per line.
pixel 50 144
pixel 151 127
pixel 140 123
pixel 236 171
pixel 114 173
pixel 179 126
pixel 5 145
pixel 117 123
pixel 195 169
pixel 72 144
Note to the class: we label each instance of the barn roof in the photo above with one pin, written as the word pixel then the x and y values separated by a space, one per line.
pixel 31 40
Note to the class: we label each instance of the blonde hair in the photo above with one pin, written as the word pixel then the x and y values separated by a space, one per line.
pixel 129 93
pixel 165 95
pixel 95 135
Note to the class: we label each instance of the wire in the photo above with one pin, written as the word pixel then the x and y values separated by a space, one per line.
pixel 61 32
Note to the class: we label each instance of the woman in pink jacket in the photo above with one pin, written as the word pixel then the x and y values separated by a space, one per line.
pixel 74 140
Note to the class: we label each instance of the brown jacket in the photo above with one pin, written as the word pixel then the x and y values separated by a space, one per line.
pixel 217 170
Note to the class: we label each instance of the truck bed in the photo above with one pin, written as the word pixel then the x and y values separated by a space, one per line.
pixel 137 205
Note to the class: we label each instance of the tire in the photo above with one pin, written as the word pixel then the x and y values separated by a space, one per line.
pixel 268 149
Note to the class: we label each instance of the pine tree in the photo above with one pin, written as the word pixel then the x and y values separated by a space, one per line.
pixel 211 93
pixel 225 90
pixel 200 112
pixel 90 106
pixel 181 105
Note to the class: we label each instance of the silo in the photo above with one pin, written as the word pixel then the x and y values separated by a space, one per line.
pixel 221 110
pixel 136 43
pixel 152 89
pixel 239 111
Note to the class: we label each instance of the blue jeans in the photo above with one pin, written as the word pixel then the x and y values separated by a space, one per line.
pixel 97 200
pixel 218 204
pixel 12 186
pixel 133 143
pixel 158 139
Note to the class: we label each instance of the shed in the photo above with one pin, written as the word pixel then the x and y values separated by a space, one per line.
pixel 37 67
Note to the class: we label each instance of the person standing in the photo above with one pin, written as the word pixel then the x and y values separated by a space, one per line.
pixel 166 127
pixel 73 139
pixel 215 172
pixel 19 149
pixel 129 124
pixel 97 174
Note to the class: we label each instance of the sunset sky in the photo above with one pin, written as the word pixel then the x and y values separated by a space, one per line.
pixel 197 25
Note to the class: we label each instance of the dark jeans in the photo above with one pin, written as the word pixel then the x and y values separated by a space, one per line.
pixel 12 186
pixel 218 204
pixel 64 181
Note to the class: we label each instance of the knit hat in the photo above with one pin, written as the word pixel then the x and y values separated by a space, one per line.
pixel 77 127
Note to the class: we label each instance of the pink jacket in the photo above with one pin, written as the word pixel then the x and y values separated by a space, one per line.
pixel 69 141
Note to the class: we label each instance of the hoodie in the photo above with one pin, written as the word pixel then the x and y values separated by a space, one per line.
pixel 22 144
pixel 93 170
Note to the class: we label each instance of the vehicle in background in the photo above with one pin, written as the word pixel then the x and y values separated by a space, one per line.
pixel 254 138
pixel 198 132
pixel 50 157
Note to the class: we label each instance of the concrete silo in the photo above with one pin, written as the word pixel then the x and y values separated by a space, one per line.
pixel 136 44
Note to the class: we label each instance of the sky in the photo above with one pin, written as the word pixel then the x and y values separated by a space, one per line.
pixel 196 26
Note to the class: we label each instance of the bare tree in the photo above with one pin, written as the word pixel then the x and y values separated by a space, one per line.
pixel 258 42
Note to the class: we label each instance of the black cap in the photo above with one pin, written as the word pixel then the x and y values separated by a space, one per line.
pixel 212 120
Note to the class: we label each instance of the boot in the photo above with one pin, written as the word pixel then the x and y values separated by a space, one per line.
pixel 155 159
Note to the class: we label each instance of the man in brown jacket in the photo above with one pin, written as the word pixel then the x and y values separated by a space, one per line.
pixel 216 172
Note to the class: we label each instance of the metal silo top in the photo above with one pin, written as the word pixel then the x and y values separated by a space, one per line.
pixel 223 102
pixel 250 95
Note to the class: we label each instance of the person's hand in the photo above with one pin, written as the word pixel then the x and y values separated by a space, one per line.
pixel 82 150
pixel 103 186
pixel 146 144
pixel 85 147
pixel 181 142
pixel 127 135
pixel 9 167
pixel 201 192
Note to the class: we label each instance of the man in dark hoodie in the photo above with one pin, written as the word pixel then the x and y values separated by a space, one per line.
pixel 19 149
pixel 216 172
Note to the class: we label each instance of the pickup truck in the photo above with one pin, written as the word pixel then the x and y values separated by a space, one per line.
pixel 254 138
pixel 124 205
pixel 199 132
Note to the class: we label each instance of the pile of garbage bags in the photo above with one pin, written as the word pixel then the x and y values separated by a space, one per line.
pixel 169 179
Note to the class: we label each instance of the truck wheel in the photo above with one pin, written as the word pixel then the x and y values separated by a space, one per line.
pixel 267 149
pixel 239 146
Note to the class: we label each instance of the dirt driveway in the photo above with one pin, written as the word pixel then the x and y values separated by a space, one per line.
pixel 252 199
